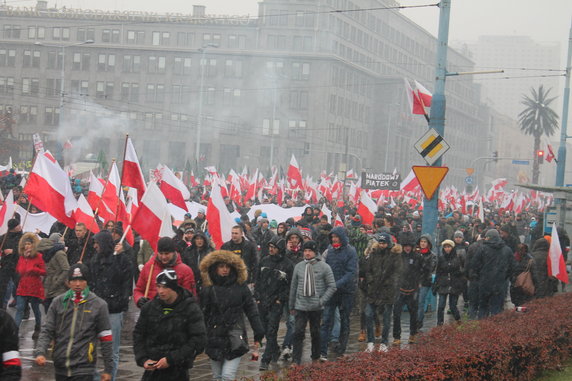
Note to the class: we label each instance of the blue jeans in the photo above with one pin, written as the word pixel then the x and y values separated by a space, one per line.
pixel 287 343
pixel 343 301
pixel 8 293
pixel 453 299
pixel 370 310
pixel 225 370
pixel 423 291
pixel 116 321
pixel 21 302
pixel 335 336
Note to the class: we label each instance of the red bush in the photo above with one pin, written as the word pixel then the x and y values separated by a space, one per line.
pixel 509 346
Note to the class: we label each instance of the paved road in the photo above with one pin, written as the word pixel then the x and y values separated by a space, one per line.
pixel 128 370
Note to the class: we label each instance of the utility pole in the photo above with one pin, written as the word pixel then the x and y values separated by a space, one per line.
pixel 561 165
pixel 437 121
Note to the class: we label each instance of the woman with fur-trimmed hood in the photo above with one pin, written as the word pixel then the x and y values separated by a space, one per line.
pixel 31 268
pixel 225 298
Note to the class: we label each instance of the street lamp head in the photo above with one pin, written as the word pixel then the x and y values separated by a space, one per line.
pixel 38 43
pixel 88 42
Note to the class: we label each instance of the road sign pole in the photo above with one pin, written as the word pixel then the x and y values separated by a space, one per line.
pixel 437 121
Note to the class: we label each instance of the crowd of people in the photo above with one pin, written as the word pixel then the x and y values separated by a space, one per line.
pixel 194 298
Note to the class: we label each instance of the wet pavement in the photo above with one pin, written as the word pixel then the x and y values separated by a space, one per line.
pixel 128 370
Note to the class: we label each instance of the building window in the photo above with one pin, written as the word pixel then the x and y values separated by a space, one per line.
pixel 300 70
pixel 52 116
pixel 233 69
pixel 12 31
pixel 110 35
pixel 30 86
pixel 80 61
pixel 7 85
pixel 79 87
pixel 8 57
pixel 160 38
pixel 106 62
pixel 156 64
pixel 28 114
pixel 31 58
pixel 62 34
pixel 185 39
pixel 135 37
pixel 182 66
pixel 85 34
pixel 130 92
pixel 131 64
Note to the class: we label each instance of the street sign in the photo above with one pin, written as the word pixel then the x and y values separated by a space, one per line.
pixel 521 162
pixel 470 171
pixel 431 146
pixel 469 180
pixel 429 178
pixel 384 181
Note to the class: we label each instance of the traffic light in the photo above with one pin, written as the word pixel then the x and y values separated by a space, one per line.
pixel 540 156
pixel 495 156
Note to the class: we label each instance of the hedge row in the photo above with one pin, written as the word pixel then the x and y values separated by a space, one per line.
pixel 509 346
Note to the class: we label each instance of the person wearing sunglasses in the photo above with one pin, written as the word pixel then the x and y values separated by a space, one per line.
pixel 170 331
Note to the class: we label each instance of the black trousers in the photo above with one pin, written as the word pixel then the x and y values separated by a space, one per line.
pixel 270 318
pixel 412 303
pixel 83 377
pixel 302 318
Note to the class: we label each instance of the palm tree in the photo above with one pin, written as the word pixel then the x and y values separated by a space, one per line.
pixel 537 119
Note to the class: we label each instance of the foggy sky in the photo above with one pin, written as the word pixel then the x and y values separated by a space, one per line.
pixel 547 20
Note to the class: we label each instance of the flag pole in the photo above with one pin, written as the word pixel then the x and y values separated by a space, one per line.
pixel 121 179
pixel 27 211
pixel 423 106
pixel 149 278
pixel 84 246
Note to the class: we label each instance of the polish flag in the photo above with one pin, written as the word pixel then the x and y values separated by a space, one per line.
pixel 194 182
pixel 366 208
pixel 132 174
pixel 424 95
pixel 550 156
pixel 338 221
pixel 113 198
pixel 415 102
pixel 173 188
pixel 294 175
pixel 49 189
pixel 555 259
pixel 132 202
pixel 235 191
pixel 153 219
pixel 7 212
pixel 410 183
pixel 95 190
pixel 326 212
pixel 350 174
pixel 5 169
pixel 219 219
pixel 212 170
pixel 252 185
pixel 84 214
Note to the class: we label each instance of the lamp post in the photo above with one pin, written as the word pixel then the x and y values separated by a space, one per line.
pixel 63 69
pixel 203 50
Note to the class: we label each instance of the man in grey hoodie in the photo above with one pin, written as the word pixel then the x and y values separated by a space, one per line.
pixel 312 286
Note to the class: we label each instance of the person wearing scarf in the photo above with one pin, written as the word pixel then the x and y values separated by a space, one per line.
pixel 312 286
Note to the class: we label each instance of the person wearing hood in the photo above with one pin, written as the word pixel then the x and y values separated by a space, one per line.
pixel 308 216
pixel 412 271
pixel 424 246
pixel 31 268
pixel 295 254
pixel 312 286
pixel 263 235
pixel 245 249
pixel 461 247
pixel 197 251
pixel 77 322
pixel 57 266
pixel 166 258
pixel 225 299
pixel 449 280
pixel 381 275
pixel 271 292
pixel 544 285
pixel 170 332
pixel 342 259
pixel 9 261
pixel 492 265
pixel 111 280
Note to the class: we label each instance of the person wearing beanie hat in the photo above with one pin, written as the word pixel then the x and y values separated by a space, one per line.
pixel 166 258
pixel 57 266
pixel 509 236
pixel 74 337
pixel 313 285
pixel 424 247
pixel 262 235
pixel 492 266
pixel 271 291
pixel 170 331
pixel 111 279
pixel 449 281
pixel 13 223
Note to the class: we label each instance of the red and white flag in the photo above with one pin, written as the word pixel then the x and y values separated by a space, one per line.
pixel 95 190
pixel 550 155
pixel 366 209
pixel 424 95
pixel 294 176
pixel 173 188
pixel 132 173
pixel 194 182
pixel 555 259
pixel 153 219
pixel 415 103
pixel 410 183
pixel 49 189
pixel 132 202
pixel 6 212
pixel 218 217
pixel 84 214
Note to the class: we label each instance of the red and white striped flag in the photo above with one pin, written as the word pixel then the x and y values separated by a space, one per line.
pixel 132 173
pixel 555 259
pixel 218 217
pixel 6 212
pixel 173 188
pixel 153 219
pixel 84 214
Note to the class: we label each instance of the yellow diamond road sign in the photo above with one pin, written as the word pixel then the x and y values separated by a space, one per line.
pixel 431 146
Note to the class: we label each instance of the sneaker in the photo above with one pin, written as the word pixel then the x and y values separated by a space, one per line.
pixel 263 366
pixel 377 331
pixel 412 339
pixel 383 348
pixel 370 348
pixel 323 358
pixel 361 337
pixel 286 353
pixel 396 341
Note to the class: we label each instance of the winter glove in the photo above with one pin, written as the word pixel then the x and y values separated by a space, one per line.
pixel 142 301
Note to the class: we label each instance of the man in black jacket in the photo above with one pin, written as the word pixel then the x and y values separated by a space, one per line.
pixel 112 280
pixel 245 250
pixel 271 293
pixel 11 366
pixel 170 331
pixel 9 260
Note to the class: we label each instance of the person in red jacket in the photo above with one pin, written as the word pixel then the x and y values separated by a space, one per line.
pixel 31 268
pixel 166 258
